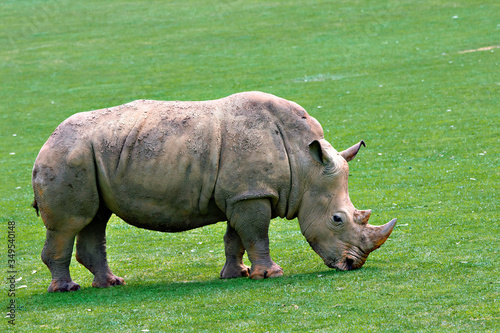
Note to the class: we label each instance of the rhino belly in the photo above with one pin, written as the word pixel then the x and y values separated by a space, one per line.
pixel 148 214
pixel 167 195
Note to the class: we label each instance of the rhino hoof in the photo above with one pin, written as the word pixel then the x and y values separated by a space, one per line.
pixel 236 272
pixel 109 281
pixel 259 273
pixel 63 286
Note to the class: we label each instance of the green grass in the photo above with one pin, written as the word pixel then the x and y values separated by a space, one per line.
pixel 388 72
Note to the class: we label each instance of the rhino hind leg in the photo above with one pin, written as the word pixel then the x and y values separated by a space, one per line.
pixel 63 222
pixel 56 254
pixel 91 250
pixel 234 266
pixel 251 219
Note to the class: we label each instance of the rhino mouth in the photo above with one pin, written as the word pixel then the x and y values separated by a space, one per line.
pixel 351 258
pixel 350 263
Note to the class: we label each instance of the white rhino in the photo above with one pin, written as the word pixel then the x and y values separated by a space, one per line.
pixel 175 166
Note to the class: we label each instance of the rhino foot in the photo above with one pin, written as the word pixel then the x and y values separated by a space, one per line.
pixel 109 281
pixel 63 286
pixel 229 272
pixel 261 272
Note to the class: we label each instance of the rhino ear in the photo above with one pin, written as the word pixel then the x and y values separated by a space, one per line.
pixel 318 153
pixel 350 153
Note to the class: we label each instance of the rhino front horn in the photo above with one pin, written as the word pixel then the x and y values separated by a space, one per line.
pixel 381 233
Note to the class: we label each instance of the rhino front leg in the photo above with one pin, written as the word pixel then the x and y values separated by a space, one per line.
pixel 250 219
pixel 91 250
pixel 234 249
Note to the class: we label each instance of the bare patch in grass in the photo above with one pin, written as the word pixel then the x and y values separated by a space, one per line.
pixel 487 48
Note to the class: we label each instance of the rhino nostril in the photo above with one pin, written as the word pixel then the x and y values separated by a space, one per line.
pixel 349 263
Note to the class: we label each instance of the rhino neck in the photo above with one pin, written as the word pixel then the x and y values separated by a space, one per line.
pixel 295 190
pixel 297 129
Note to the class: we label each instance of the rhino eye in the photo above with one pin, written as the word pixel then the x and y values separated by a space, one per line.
pixel 337 218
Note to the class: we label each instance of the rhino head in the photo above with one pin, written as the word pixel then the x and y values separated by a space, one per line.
pixel 337 231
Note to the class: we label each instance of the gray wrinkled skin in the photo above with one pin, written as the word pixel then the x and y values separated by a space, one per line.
pixel 175 166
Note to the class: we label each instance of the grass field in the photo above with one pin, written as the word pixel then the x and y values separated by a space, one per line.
pixel 411 78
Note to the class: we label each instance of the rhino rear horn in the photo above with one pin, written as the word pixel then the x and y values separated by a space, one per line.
pixel 350 153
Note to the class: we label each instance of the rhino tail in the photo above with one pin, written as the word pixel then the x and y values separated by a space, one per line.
pixel 35 205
